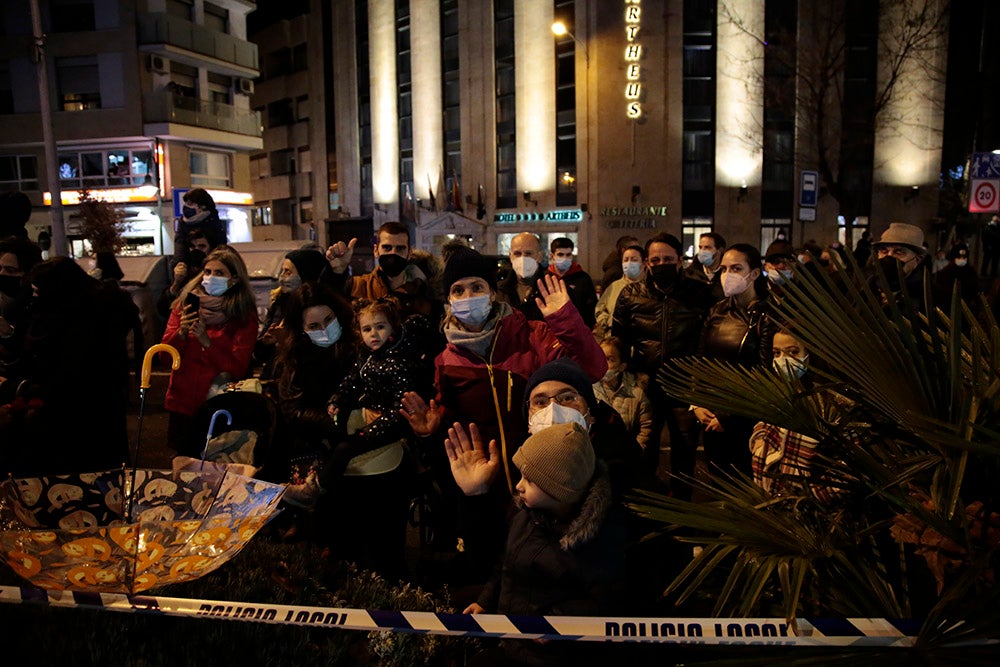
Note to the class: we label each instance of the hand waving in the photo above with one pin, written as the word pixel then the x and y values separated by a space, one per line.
pixel 472 470
pixel 554 294
pixel 423 419
pixel 339 255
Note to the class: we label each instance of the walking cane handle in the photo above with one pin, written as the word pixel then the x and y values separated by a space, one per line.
pixel 147 361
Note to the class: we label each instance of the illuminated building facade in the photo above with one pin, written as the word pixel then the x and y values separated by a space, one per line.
pixel 643 116
pixel 150 98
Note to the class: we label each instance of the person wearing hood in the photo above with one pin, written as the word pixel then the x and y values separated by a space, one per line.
pixel 482 373
pixel 565 547
pixel 305 265
pixel 394 275
pixel 578 282
pixel 519 286
pixel 659 319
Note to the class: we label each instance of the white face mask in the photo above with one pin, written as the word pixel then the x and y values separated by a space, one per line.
pixel 473 310
pixel 215 285
pixel 791 368
pixel 524 267
pixel 961 261
pixel 328 336
pixel 553 413
pixel 733 284
pixel 706 257
pixel 631 270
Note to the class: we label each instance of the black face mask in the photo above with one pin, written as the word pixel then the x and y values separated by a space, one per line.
pixel 10 285
pixel 392 265
pixel 664 275
pixel 196 260
pixel 892 268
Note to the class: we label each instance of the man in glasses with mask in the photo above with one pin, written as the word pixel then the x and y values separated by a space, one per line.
pixel 659 319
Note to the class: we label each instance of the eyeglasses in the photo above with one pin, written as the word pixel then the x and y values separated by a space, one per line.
pixel 565 397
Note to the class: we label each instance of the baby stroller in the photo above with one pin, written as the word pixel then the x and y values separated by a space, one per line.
pixel 247 438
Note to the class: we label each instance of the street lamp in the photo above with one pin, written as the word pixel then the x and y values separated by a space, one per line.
pixel 559 29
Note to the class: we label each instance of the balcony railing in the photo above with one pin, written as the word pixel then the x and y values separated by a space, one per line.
pixel 161 28
pixel 164 106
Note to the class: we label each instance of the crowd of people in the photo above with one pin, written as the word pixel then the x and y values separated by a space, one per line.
pixel 523 401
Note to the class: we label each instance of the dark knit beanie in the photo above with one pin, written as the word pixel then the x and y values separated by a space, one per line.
pixel 559 460
pixel 309 263
pixel 780 250
pixel 565 370
pixel 467 263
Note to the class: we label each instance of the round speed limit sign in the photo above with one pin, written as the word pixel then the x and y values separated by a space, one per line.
pixel 984 195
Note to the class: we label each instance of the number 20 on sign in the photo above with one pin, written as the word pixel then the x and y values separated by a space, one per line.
pixel 983 196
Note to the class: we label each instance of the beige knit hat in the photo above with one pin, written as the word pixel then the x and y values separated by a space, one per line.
pixel 559 460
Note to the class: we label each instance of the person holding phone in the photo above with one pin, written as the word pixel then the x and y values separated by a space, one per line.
pixel 213 324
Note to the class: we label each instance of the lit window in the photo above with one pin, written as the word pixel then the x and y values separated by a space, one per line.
pixel 210 169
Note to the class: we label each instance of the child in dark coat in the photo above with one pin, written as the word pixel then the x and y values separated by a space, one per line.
pixel 565 548
pixel 391 362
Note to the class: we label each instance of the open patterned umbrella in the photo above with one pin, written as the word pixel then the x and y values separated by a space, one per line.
pixel 68 532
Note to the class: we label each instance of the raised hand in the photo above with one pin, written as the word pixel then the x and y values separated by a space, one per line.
pixel 424 419
pixel 553 294
pixel 339 255
pixel 472 470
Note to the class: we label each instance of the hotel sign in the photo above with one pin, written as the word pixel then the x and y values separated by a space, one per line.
pixel 633 53
pixel 572 215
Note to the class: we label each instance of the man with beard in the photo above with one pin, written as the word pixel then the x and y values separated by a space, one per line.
pixel 394 275
pixel 659 319
pixel 519 287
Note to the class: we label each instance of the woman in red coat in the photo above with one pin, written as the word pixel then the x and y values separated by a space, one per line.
pixel 214 329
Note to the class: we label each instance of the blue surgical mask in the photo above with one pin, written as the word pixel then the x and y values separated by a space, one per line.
pixel 215 285
pixel 632 270
pixel 562 265
pixel 189 211
pixel 472 311
pixel 791 368
pixel 328 336
pixel 780 277
pixel 706 257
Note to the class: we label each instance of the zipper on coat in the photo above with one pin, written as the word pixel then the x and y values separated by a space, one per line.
pixel 496 404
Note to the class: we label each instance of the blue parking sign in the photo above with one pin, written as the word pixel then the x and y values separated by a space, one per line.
pixel 809 188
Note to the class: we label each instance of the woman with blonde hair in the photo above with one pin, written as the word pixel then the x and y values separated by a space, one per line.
pixel 213 324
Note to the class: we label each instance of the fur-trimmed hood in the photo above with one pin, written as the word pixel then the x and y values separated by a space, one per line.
pixel 593 509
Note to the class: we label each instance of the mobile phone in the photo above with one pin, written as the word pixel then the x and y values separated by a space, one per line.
pixel 192 300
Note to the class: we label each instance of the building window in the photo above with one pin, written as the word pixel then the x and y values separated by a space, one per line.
pixel 260 166
pixel 777 189
pixel 72 15
pixel 79 83
pixel 109 168
pixel 506 110
pixel 300 57
pixel 565 108
pixel 774 229
pixel 280 112
pixel 260 216
pixel 182 9
pixel 211 170
pixel 451 93
pixel 216 18
pixel 691 231
pixel 18 172
pixel 404 107
pixel 698 110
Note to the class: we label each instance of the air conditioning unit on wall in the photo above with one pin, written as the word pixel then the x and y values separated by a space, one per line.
pixel 157 64
pixel 244 86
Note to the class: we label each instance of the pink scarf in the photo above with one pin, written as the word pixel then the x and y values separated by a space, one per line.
pixel 211 311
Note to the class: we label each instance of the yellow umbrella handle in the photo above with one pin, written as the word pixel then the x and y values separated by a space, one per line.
pixel 147 361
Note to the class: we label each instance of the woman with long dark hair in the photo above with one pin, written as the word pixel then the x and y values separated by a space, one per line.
pixel 213 324
pixel 732 332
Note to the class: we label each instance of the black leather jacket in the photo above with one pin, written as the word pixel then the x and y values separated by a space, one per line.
pixel 733 333
pixel 661 324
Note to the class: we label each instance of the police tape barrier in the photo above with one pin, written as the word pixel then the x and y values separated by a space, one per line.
pixel 729 631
